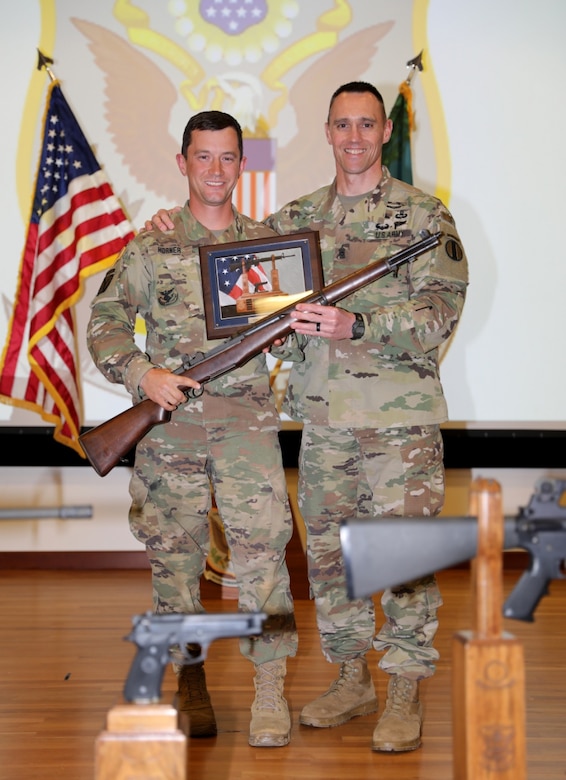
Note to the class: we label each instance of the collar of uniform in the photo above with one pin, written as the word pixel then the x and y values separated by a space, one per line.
pixel 332 207
pixel 192 228
pixel 195 230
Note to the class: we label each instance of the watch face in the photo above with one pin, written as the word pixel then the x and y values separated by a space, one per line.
pixel 358 328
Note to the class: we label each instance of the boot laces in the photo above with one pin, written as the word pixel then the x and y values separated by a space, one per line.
pixel 196 685
pixel 346 676
pixel 401 695
pixel 268 686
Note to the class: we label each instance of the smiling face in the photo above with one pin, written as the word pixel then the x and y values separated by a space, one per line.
pixel 212 166
pixel 356 129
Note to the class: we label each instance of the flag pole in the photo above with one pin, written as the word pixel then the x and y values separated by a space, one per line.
pixel 44 62
pixel 77 228
pixel 397 152
pixel 415 64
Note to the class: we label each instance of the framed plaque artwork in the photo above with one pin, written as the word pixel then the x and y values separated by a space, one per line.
pixel 244 281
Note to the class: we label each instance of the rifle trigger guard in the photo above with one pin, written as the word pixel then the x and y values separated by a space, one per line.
pixel 193 392
pixel 188 362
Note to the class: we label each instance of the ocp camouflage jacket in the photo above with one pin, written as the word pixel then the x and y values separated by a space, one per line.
pixel 389 377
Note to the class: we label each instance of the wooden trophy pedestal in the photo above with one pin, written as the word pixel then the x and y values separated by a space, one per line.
pixel 488 673
pixel 488 695
pixel 141 741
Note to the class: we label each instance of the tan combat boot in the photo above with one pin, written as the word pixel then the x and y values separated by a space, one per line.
pixel 350 695
pixel 399 728
pixel 271 723
pixel 196 716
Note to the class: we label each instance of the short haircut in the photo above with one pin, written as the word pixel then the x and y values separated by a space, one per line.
pixel 211 120
pixel 357 86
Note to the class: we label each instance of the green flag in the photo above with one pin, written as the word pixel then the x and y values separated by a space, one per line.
pixel 397 151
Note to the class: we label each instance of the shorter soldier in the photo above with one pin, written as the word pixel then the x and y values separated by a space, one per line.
pixel 208 441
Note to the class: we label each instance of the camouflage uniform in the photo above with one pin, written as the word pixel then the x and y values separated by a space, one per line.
pixel 371 408
pixel 227 437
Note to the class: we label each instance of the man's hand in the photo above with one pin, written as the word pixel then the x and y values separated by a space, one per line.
pixel 164 388
pixel 162 220
pixel 276 343
pixel 330 322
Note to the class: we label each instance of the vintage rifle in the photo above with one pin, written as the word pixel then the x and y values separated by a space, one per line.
pixel 108 443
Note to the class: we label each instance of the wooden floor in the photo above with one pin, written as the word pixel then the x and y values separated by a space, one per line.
pixel 64 663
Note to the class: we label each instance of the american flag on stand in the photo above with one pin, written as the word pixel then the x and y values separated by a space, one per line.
pixel 77 227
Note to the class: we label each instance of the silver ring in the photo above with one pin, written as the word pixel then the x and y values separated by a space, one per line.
pixel 318 327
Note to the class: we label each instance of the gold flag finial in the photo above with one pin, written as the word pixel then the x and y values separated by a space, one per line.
pixel 415 64
pixel 44 62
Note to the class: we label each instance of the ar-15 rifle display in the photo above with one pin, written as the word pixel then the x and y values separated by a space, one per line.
pixel 156 635
pixel 383 553
pixel 109 442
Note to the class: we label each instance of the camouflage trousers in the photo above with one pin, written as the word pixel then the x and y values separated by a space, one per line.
pixel 370 473
pixel 171 496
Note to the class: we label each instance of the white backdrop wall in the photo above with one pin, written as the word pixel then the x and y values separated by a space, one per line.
pixel 488 140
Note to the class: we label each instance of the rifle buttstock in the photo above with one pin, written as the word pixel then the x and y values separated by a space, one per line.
pixel 112 440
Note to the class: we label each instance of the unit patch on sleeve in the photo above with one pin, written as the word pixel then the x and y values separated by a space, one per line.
pixel 454 249
pixel 106 282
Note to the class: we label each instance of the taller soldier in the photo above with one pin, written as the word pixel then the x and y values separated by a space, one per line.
pixel 368 393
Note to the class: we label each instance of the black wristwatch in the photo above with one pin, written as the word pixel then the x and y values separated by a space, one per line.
pixel 358 327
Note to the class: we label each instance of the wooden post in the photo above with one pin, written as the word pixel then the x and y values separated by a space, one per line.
pixel 141 741
pixel 488 685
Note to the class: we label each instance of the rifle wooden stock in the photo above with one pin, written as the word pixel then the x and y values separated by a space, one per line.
pixel 109 442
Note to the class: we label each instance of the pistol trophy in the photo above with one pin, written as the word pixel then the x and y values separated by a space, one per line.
pixel 142 738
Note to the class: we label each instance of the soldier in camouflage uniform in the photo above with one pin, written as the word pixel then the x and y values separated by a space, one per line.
pixel 227 437
pixel 368 393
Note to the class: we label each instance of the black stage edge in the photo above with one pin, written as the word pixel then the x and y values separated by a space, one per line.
pixel 463 448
